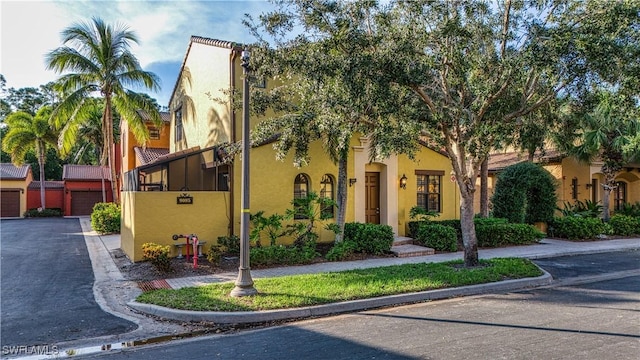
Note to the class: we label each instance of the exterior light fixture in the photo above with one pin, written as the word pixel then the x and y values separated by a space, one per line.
pixel 352 181
pixel 403 182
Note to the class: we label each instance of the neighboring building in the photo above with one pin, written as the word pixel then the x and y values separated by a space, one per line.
pixel 84 186
pixel 135 154
pixel 576 181
pixel 201 190
pixel 14 181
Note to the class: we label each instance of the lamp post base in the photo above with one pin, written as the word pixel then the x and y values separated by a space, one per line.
pixel 244 285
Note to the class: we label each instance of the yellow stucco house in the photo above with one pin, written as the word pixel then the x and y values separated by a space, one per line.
pixel 576 181
pixel 201 189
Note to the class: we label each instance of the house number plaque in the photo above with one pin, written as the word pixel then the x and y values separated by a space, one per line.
pixel 185 199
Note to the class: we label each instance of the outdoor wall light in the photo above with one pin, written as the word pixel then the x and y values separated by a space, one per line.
pixel 588 185
pixel 403 182
pixel 352 181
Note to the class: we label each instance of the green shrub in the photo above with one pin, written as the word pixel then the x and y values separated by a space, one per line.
pixel 271 225
pixel 415 225
pixel 525 193
pixel 158 255
pixel 282 255
pixel 489 221
pixel 215 254
pixel 231 244
pixel 478 221
pixel 54 212
pixel 630 209
pixel 578 228
pixel 625 225
pixel 438 237
pixel 374 239
pixel 105 218
pixel 578 208
pixel 341 251
pixel 503 234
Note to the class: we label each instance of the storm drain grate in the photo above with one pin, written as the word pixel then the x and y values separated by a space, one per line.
pixel 153 285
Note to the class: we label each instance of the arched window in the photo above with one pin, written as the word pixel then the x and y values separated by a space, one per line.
pixel 300 191
pixel 327 191
pixel 619 195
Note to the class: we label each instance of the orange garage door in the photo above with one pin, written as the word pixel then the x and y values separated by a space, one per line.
pixel 82 202
pixel 10 203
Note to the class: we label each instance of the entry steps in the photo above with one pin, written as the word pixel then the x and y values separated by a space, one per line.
pixel 403 247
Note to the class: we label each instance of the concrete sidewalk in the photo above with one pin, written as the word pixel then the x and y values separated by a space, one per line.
pixel 99 247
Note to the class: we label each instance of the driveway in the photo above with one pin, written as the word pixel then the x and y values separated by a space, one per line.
pixel 47 285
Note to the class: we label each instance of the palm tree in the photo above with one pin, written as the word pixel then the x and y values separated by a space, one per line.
pixel 605 132
pixel 96 60
pixel 28 132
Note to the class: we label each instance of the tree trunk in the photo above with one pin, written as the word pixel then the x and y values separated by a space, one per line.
pixel 341 196
pixel 468 229
pixel 41 166
pixel 109 148
pixel 484 188
pixel 606 194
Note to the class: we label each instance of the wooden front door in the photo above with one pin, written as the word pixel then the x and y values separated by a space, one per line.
pixel 372 202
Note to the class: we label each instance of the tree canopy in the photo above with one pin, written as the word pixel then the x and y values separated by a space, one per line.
pixel 465 73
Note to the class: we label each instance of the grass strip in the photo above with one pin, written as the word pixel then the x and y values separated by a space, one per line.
pixel 315 289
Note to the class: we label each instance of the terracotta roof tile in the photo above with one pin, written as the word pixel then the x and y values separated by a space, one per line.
pixel 47 185
pixel 85 172
pixel 165 116
pixel 149 155
pixel 10 171
pixel 214 42
pixel 500 161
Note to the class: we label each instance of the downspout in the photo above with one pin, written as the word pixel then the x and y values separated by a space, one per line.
pixel 232 71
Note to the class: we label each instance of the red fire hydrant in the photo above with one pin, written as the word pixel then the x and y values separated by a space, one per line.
pixel 194 242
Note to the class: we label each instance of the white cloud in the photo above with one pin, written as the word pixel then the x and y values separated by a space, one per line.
pixel 30 29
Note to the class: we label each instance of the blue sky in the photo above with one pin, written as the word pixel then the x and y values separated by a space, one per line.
pixel 30 29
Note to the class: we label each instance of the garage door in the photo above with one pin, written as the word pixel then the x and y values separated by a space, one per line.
pixel 82 201
pixel 10 203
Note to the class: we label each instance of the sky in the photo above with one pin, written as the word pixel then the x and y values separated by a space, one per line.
pixel 31 29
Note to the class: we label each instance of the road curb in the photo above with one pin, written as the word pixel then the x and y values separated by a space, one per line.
pixel 247 317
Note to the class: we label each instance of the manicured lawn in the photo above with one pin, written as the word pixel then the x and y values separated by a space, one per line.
pixel 315 289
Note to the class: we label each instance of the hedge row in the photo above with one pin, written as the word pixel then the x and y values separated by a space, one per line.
pixel 446 235
pixel 583 228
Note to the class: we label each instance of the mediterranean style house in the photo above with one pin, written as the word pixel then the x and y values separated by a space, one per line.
pixel 576 181
pixel 195 188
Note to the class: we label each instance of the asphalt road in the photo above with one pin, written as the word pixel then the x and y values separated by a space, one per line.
pixel 567 267
pixel 598 320
pixel 47 285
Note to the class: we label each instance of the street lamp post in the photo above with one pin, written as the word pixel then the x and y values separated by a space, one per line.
pixel 244 283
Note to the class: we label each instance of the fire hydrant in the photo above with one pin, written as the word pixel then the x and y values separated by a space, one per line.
pixel 194 243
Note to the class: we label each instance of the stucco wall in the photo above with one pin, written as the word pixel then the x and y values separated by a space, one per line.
pixel 155 216
pixel 426 159
pixel 53 198
pixel 205 121
pixel 271 182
